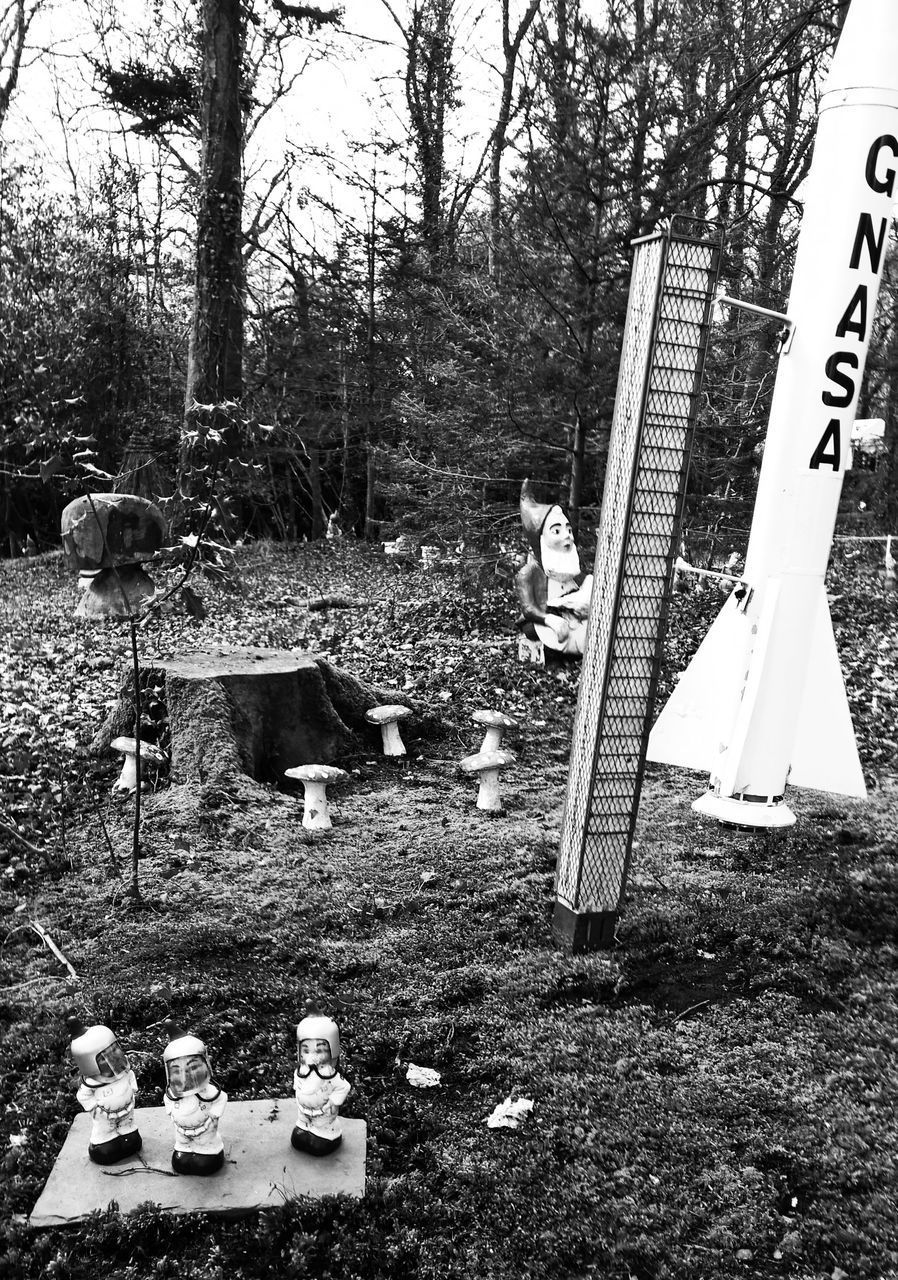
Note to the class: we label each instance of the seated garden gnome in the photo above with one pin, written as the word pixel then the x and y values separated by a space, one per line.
pixel 106 537
pixel 320 1089
pixel 554 595
pixel 194 1104
pixel 108 1089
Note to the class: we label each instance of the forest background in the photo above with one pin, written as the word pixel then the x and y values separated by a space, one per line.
pixel 203 301
pixel 199 298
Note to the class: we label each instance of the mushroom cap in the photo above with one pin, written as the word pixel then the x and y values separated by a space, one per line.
pixel 103 529
pixel 148 750
pixel 386 715
pixel 494 719
pixel 487 760
pixel 316 773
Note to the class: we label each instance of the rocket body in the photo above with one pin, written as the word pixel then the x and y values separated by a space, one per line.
pixel 764 694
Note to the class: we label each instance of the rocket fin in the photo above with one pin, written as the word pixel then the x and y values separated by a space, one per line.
pixel 694 725
pixel 702 714
pixel 825 756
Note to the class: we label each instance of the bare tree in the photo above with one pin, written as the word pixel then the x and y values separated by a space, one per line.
pixel 15 20
pixel 511 48
pixel 430 94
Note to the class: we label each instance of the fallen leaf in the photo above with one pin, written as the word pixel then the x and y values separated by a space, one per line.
pixel 422 1077
pixel 508 1113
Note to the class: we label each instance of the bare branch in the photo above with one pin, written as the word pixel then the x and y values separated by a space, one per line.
pixel 14 24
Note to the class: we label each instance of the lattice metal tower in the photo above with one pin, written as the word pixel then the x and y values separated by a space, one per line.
pixel 672 289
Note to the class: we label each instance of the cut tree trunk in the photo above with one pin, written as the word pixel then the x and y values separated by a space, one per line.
pixel 249 713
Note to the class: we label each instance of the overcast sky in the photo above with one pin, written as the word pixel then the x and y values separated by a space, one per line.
pixel 354 93
pixel 350 96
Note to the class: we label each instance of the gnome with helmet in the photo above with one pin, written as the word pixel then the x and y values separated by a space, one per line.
pixel 554 595
pixel 319 1088
pixel 107 1090
pixel 194 1104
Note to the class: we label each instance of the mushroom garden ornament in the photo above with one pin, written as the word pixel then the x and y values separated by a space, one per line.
pixel 107 537
pixel 495 724
pixel 319 1088
pixel 107 1090
pixel 387 719
pixel 149 754
pixel 316 778
pixel 194 1104
pixel 488 765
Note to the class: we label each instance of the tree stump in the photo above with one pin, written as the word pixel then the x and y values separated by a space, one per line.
pixel 248 712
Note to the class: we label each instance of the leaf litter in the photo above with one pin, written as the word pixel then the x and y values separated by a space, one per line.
pixel 724 1081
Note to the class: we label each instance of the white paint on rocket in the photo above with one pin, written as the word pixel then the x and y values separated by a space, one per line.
pixel 764 694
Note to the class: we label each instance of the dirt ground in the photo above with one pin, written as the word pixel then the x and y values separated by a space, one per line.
pixel 715 1097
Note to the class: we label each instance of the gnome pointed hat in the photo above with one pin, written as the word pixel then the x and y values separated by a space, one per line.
pixel 533 517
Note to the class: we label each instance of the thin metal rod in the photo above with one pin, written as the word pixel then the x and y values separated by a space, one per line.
pixel 682 566
pixel 752 306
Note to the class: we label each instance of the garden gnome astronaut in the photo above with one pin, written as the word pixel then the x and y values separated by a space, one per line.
pixel 194 1104
pixel 553 593
pixel 320 1089
pixel 107 1090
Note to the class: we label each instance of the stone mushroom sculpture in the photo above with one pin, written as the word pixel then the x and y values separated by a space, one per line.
pixel 387 719
pixel 495 724
pixel 488 765
pixel 316 778
pixel 149 754
pixel 106 537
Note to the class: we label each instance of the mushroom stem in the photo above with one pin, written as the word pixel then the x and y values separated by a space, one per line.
pixel 315 815
pixel 492 739
pixel 488 797
pixel 392 739
pixel 127 779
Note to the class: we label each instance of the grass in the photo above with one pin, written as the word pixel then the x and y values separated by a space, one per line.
pixel 715 1098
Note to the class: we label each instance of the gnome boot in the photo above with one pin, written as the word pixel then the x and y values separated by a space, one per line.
pixel 312 1143
pixel 197 1162
pixel 126 1144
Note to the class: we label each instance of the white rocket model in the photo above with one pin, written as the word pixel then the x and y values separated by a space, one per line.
pixel 763 699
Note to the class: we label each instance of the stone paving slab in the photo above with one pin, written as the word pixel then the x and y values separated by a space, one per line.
pixel 261 1168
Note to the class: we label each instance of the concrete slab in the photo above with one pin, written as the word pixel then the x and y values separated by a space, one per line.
pixel 261 1169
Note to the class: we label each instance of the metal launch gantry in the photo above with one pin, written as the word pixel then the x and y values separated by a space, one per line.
pixel 672 291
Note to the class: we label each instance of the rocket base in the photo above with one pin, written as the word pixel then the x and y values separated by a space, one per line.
pixel 753 814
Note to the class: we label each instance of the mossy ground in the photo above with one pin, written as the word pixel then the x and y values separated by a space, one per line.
pixel 715 1098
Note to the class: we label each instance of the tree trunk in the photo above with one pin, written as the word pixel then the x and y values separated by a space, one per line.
pixel 215 359
pixel 314 473
pixel 511 47
pixel 429 95
pixel 371 529
pixel 12 50
pixel 371 522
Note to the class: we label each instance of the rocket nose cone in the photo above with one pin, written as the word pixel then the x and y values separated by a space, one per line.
pixel 867 53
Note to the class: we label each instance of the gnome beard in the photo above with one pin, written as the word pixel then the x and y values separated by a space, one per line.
pixel 554 601
pixel 560 565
